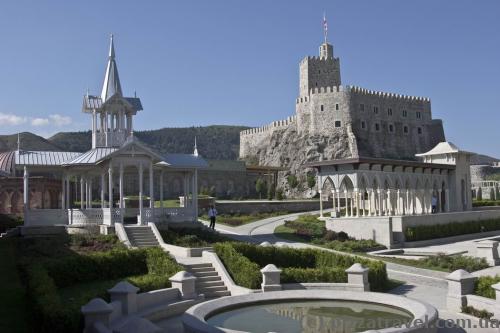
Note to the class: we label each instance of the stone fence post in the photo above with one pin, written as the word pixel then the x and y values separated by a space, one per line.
pixel 488 249
pixel 95 311
pixel 185 282
pixel 270 278
pixel 358 275
pixel 126 294
pixel 460 283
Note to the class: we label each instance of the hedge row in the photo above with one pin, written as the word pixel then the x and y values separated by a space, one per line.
pixel 483 286
pixel 148 269
pixel 244 261
pixel 424 232
pixel 485 203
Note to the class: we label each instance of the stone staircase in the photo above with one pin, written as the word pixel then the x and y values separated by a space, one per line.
pixel 208 281
pixel 141 236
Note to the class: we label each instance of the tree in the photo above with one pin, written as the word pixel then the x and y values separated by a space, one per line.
pixel 271 190
pixel 292 181
pixel 279 194
pixel 260 187
pixel 311 180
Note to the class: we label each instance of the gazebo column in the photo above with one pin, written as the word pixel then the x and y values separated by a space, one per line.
pixel 90 193
pixel 351 197
pixel 377 203
pixel 63 192
pixel 447 200
pixel 186 203
pixel 81 193
pixel 122 200
pixel 161 189
pixel 195 194
pixel 370 197
pixel 320 203
pixel 334 209
pixel 67 193
pixel 346 214
pixel 398 202
pixel 103 182
pixel 140 188
pixel 110 186
pixel 151 186
pixel 26 196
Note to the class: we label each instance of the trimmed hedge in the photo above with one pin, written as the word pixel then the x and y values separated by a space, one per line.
pixel 483 286
pixel 244 261
pixel 148 269
pixel 424 232
pixel 485 203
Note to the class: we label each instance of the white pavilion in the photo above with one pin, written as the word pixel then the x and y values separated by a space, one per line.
pixel 115 155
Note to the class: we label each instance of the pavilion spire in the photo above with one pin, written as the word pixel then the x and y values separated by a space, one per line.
pixel 111 84
pixel 195 152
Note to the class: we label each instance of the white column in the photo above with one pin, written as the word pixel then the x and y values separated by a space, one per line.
pixel 68 194
pixel 81 193
pixel 161 189
pixel 140 188
pixel 103 199
pixel 186 201
pixel 356 201
pixel 370 197
pixel 338 202
pixel 195 194
pixel 398 203
pixel 378 203
pixel 151 188
pixel 86 193
pixel 352 203
pixel 334 208
pixel 121 187
pixel 90 193
pixel 110 186
pixel 26 196
pixel 346 204
pixel 320 204
pixel 389 203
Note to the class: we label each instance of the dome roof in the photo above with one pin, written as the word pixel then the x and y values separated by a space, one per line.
pixel 7 163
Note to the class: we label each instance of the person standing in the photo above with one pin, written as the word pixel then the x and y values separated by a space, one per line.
pixel 434 202
pixel 212 214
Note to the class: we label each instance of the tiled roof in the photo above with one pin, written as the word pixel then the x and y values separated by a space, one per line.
pixel 7 162
pixel 44 158
pixel 184 161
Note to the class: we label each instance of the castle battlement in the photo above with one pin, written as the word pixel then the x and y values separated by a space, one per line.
pixel 359 90
pixel 319 58
pixel 362 91
pixel 270 127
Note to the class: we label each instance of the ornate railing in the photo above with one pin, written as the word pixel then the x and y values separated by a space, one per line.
pixel 112 216
pixel 93 216
pixel 45 217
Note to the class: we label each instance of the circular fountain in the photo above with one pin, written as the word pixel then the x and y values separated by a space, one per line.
pixel 298 311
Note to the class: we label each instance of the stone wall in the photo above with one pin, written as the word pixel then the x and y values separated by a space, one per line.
pixel 44 193
pixel 482 172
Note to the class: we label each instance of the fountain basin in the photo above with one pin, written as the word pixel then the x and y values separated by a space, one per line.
pixel 297 311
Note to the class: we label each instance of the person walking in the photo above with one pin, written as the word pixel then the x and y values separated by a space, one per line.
pixel 212 214
pixel 434 202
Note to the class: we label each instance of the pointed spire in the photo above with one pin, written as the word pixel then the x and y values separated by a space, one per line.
pixel 111 84
pixel 18 141
pixel 195 153
pixel 325 27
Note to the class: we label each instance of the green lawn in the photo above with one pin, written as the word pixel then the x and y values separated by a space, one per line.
pixel 14 310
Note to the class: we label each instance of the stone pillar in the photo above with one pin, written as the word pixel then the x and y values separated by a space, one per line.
pixel 90 193
pixel 358 275
pixel 68 193
pixel 334 208
pixel 320 203
pixel 270 278
pixel 140 188
pixel 488 249
pixel 460 283
pixel 370 198
pixel 378 203
pixel 82 193
pixel 161 189
pixel 151 186
pixel 122 200
pixel 103 182
pixel 126 294
pixel 26 193
pixel 356 201
pixel 185 282
pixel 398 202
pixel 97 310
pixel 389 202
pixel 195 194
pixel 440 201
pixel 351 199
pixel 110 186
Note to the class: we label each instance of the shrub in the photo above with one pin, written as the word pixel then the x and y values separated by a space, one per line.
pixel 292 181
pixel 452 263
pixel 244 272
pixel 483 314
pixel 485 203
pixel 311 180
pixel 279 194
pixel 424 232
pixel 311 275
pixel 362 245
pixel 483 286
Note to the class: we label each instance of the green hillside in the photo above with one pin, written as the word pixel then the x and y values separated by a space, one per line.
pixel 214 142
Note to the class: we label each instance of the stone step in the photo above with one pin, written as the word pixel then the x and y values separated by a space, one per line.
pixel 188 266
pixel 146 244
pixel 202 279
pixel 158 312
pixel 209 290
pixel 143 238
pixel 204 274
pixel 216 294
pixel 201 269
pixel 205 284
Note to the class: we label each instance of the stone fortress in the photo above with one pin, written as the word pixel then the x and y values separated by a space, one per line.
pixel 339 121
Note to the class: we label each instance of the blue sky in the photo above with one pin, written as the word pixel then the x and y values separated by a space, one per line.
pixel 236 62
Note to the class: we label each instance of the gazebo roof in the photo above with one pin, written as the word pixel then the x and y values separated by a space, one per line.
pixel 444 148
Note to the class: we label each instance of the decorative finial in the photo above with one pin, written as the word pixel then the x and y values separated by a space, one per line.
pixel 195 153
pixel 135 94
pixel 18 141
pixel 87 92
pixel 325 26
pixel 111 48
